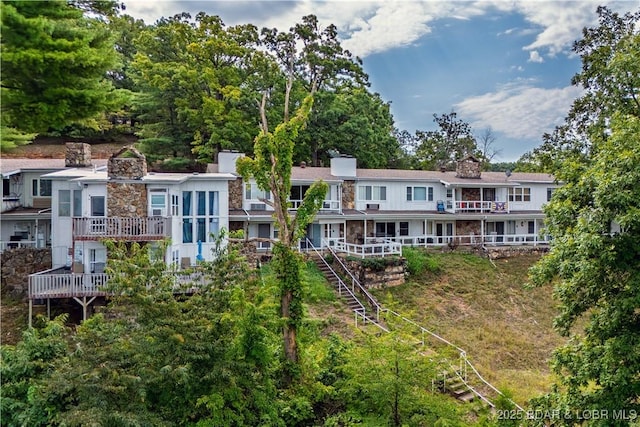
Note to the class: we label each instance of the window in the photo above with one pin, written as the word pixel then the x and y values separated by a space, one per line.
pixel 550 192
pixel 205 217
pixel 252 192
pixel 531 227
pixel 77 203
pixel 97 206
pixel 6 187
pixel 372 192
pixel 64 202
pixel 41 187
pixel 404 228
pixel 419 194
pixel 158 204
pixel 298 192
pixel 519 194
pixel 385 229
pixel 175 205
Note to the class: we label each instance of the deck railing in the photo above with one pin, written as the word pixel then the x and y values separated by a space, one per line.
pixel 373 246
pixel 59 283
pixel 4 245
pixel 479 206
pixel 144 228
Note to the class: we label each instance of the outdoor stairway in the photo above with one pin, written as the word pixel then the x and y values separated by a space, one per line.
pixel 453 384
pixel 347 295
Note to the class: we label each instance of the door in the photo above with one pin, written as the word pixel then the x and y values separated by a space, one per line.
pixel 500 231
pixel 98 222
pixel 314 234
pixel 97 260
pixel 264 232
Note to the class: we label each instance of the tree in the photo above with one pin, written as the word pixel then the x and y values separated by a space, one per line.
pixel 54 67
pixel 351 121
pixel 486 146
pixel 610 76
pixel 453 141
pixel 593 219
pixel 595 264
pixel 271 169
pixel 194 97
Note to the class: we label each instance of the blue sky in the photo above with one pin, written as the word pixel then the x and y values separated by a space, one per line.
pixel 504 65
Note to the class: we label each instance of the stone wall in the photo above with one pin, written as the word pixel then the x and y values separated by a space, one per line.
pixel 348 195
pixel 78 155
pixel 235 194
pixel 468 168
pixel 466 228
pixel 127 163
pixel 393 274
pixel 18 264
pixel 127 200
pixel 514 251
pixel 470 194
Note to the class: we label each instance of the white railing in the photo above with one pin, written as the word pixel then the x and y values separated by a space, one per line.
pixel 479 206
pixel 360 310
pixel 461 372
pixel 121 227
pixel 373 246
pixel 49 284
pixel 473 239
pixel 327 205
pixel 56 283
pixel 356 286
pixel 4 245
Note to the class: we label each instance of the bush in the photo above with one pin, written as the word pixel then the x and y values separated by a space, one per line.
pixel 418 261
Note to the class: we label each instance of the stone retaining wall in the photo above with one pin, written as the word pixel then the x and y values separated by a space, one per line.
pixel 18 264
pixel 374 278
pixel 513 251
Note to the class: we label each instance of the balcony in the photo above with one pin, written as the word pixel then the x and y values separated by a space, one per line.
pixel 480 206
pixel 119 228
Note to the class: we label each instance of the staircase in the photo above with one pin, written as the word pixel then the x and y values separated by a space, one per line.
pixel 453 380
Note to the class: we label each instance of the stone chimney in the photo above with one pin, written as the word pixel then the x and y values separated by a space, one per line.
pixel 469 167
pixel 78 155
pixel 343 165
pixel 227 161
pixel 127 163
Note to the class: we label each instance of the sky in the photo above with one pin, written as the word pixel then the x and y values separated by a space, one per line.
pixel 500 65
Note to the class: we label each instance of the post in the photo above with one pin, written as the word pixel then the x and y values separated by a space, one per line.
pixel 30 312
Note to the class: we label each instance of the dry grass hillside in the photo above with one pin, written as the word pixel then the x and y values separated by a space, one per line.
pixel 505 328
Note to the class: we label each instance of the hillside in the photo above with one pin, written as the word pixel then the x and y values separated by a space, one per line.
pixel 505 328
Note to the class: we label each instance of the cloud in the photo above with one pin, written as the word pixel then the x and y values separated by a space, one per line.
pixel 519 110
pixel 534 56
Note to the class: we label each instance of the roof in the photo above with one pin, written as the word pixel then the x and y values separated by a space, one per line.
pixel 13 166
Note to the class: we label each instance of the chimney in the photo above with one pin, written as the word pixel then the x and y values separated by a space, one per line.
pixel 303 164
pixel 469 167
pixel 343 166
pixel 78 155
pixel 227 161
pixel 127 163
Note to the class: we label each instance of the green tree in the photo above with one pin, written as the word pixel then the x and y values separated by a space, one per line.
pixel 351 121
pixel 453 141
pixel 192 77
pixel 610 76
pixel 54 67
pixel 595 263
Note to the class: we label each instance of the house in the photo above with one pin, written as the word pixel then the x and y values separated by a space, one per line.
pixel 27 195
pixel 376 211
pixel 366 212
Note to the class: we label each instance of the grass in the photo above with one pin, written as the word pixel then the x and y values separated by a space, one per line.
pixel 505 328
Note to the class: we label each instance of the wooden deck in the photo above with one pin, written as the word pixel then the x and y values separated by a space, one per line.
pixel 118 228
pixel 58 283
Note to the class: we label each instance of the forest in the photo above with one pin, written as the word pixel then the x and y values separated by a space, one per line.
pixel 242 351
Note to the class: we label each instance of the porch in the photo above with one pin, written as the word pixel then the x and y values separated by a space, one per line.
pixel 138 229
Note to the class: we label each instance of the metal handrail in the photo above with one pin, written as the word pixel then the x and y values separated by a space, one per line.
pixel 463 357
pixel 341 285
pixel 356 283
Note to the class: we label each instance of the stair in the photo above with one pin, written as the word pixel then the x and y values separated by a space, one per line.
pixel 453 385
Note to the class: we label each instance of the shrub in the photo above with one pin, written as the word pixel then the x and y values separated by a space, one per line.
pixel 418 261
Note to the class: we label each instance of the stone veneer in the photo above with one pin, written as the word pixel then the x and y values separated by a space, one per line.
pixel 466 228
pixel 127 163
pixel 18 264
pixel 127 200
pixel 235 194
pixel 470 194
pixel 78 155
pixel 355 231
pixel 468 168
pixel 349 195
